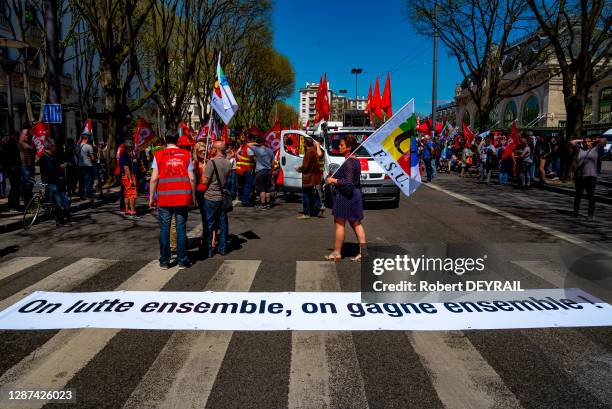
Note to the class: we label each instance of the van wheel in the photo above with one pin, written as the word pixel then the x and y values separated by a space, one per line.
pixel 328 200
pixel 289 197
pixel 395 202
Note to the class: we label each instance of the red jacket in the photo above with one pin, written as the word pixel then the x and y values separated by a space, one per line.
pixel 174 186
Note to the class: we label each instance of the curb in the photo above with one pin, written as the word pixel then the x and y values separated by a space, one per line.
pixel 109 197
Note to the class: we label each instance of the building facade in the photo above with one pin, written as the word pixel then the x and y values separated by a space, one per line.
pixel 337 106
pixel 539 107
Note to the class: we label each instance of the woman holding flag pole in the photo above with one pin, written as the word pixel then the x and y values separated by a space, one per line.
pixel 348 202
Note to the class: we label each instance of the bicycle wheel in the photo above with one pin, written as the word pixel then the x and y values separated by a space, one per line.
pixel 31 211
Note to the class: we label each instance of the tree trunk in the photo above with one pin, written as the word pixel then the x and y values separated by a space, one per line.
pixel 574 108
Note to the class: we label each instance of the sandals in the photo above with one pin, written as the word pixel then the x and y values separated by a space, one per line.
pixel 335 257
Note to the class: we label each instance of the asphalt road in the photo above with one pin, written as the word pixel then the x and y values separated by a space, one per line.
pixel 527 236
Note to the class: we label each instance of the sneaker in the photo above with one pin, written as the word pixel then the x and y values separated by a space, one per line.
pixel 267 207
pixel 303 217
pixel 164 266
pixel 183 266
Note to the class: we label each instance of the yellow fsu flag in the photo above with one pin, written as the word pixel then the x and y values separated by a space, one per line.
pixel 394 147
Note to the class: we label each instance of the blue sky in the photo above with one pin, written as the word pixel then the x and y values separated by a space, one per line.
pixel 334 36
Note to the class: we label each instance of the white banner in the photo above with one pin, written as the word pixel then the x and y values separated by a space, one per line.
pixel 304 311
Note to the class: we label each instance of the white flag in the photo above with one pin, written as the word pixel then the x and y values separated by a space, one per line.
pixel 223 101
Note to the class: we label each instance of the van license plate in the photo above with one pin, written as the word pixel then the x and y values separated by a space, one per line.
pixel 368 190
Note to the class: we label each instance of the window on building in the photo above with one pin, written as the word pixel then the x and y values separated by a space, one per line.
pixel 35 98
pixel 531 110
pixel 494 118
pixel 466 118
pixel 588 111
pixel 605 105
pixel 509 113
pixel 33 57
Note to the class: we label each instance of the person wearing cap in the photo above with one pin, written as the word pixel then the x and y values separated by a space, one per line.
pixel 53 173
pixel 84 155
pixel 128 179
pixel 173 180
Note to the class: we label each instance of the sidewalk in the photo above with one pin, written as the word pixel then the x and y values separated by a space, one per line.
pixel 13 220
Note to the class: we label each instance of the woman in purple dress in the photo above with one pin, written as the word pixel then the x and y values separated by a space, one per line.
pixel 348 203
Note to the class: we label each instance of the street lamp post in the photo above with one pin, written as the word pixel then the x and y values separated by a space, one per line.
pixel 343 92
pixel 356 71
pixel 8 65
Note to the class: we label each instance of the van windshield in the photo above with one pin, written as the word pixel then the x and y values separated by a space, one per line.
pixel 332 142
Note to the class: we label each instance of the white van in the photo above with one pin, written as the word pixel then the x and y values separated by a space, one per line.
pixel 375 184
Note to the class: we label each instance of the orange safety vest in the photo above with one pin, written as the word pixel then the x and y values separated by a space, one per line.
pixel 173 187
pixel 244 162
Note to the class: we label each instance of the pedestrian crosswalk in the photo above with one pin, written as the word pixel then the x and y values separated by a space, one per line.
pixel 299 369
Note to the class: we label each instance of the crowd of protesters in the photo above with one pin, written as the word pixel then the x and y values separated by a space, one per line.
pixel 532 159
pixel 72 170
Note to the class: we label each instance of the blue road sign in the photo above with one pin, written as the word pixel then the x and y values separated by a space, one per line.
pixel 52 113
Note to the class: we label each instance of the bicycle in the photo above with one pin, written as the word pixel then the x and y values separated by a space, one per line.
pixel 40 201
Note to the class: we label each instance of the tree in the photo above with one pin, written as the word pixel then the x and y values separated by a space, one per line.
pixel 247 19
pixel 285 113
pixel 478 34
pixel 181 30
pixel 28 24
pixel 115 26
pixel 262 76
pixel 580 36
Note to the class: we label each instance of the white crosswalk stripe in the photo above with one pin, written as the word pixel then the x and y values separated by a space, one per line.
pixel 62 280
pixel 311 382
pixel 52 365
pixel 199 354
pixel 458 371
pixel 17 264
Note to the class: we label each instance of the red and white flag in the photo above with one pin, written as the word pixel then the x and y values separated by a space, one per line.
pixel 272 137
pixel 88 129
pixel 41 132
pixel 513 142
pixel 143 135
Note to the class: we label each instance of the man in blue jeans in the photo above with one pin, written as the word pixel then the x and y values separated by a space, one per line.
pixel 53 173
pixel 173 180
pixel 215 178
pixel 84 155
pixel 428 155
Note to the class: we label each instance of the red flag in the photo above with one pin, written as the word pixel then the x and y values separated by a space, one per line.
pixel 325 100
pixel 225 134
pixel 375 106
pixel 143 135
pixel 319 100
pixel 40 133
pixel 272 138
pixel 385 102
pixel 512 143
pixel 468 134
pixel 255 130
pixel 88 129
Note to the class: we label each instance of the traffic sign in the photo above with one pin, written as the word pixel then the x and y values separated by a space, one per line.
pixel 52 113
